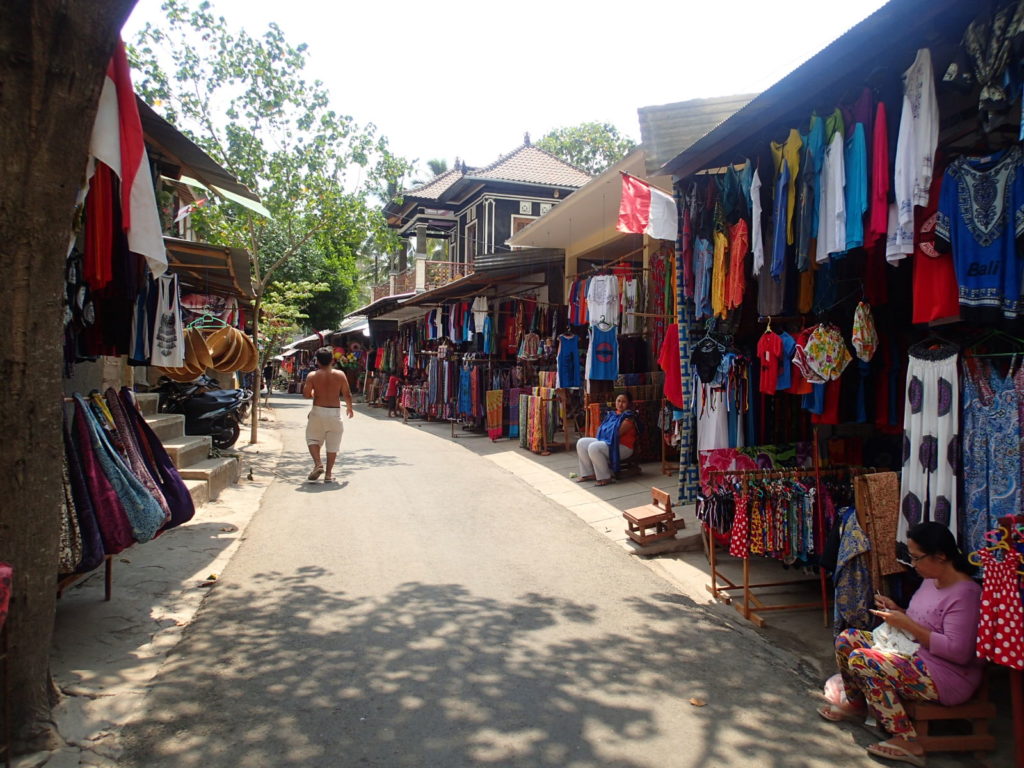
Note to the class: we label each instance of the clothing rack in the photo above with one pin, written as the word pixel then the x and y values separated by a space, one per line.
pixel 752 606
pixel 609 265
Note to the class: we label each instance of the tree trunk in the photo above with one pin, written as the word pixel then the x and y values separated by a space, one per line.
pixel 53 55
pixel 255 410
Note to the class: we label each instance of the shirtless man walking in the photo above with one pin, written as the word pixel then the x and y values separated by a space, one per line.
pixel 325 386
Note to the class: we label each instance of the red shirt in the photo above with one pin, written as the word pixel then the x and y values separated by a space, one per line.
pixel 669 362
pixel 392 387
pixel 769 351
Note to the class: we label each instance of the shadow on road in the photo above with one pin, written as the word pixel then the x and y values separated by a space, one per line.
pixel 431 675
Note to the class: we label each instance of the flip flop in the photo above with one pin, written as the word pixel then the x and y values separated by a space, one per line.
pixel 895 752
pixel 585 479
pixel 316 472
pixel 837 715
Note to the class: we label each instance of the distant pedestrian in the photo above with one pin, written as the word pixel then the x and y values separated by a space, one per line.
pixel 391 394
pixel 326 386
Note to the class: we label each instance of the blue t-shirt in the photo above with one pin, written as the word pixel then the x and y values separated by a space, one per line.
pixel 981 218
pixel 785 380
pixel 855 160
pixel 779 238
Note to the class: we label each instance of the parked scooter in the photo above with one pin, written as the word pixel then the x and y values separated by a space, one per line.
pixel 208 410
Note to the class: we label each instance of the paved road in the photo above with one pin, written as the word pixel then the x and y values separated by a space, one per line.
pixel 434 610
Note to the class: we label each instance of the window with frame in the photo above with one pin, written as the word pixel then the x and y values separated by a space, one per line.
pixel 469 252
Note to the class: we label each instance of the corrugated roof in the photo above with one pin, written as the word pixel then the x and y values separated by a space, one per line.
pixel 532 166
pixel 436 187
pixel 668 129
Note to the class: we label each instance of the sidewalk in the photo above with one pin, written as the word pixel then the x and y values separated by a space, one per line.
pixel 105 654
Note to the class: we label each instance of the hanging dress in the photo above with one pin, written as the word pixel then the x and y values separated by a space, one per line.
pixel 1001 623
pixel 991 452
pixel 931 435
pixel 568 361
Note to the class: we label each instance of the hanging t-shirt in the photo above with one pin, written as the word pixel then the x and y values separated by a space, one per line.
pixel 718 276
pixel 670 363
pixel 832 209
pixel 631 323
pixel 769 352
pixel 855 164
pixel 779 231
pixel 702 267
pixel 756 236
pixel 918 138
pixel 603 299
pixel 935 290
pixel 738 248
pixel 878 220
pixel 981 218
pixel 785 379
pixel 480 311
pixel 814 155
pixel 603 354
pixel 788 155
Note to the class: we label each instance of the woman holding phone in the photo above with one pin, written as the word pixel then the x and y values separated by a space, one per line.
pixel 942 619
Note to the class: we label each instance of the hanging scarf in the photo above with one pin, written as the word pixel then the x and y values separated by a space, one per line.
pixel 608 433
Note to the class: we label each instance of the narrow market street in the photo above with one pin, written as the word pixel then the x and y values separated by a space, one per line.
pixel 432 609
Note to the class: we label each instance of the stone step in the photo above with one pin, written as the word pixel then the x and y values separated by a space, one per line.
pixel 219 473
pixel 199 490
pixel 188 449
pixel 167 426
pixel 149 403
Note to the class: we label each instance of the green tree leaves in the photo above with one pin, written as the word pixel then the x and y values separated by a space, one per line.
pixel 245 99
pixel 591 147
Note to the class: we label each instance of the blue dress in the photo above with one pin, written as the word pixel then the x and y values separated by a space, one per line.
pixel 991 454
pixel 569 361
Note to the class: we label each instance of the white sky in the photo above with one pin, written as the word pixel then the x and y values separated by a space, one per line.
pixel 466 78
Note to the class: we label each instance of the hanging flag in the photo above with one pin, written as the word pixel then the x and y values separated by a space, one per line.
pixel 646 210
pixel 185 210
pixel 118 143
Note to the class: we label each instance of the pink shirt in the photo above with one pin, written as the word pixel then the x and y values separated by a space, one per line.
pixel 951 614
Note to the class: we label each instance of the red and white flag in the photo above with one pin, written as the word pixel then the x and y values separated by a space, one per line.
pixel 117 142
pixel 646 210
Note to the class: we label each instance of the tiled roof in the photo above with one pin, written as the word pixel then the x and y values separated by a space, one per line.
pixel 436 187
pixel 532 166
pixel 668 129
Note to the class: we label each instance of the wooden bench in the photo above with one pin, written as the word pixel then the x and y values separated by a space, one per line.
pixel 652 522
pixel 978 712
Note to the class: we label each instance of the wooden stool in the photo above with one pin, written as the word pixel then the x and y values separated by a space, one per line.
pixel 656 516
pixel 978 711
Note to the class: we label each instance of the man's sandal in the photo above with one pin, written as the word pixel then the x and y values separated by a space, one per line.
pixel 316 472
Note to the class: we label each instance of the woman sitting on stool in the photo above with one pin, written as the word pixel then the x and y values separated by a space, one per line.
pixel 616 440
pixel 942 619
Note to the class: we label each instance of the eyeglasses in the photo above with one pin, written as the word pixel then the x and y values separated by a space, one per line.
pixel 916 558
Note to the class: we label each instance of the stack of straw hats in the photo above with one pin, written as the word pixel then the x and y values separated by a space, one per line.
pixel 226 350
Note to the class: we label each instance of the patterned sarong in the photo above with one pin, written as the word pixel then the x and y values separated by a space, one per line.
pixel 495 403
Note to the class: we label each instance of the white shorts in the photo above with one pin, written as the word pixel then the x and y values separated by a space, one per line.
pixel 324 427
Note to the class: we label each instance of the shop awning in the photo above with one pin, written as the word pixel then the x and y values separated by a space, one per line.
pixel 375 308
pixel 212 269
pixel 353 324
pixel 177 149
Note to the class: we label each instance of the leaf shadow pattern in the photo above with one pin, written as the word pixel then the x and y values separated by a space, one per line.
pixel 285 672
